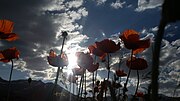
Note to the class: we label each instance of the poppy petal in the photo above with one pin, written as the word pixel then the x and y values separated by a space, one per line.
pixel 8 54
pixel 137 63
pixel 6 26
pixel 108 46
pixel 94 50
pixel 132 41
pixel 93 68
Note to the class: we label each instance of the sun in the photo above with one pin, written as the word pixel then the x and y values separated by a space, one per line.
pixel 72 59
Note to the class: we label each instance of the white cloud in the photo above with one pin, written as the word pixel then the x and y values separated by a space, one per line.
pixel 39 31
pixel 148 4
pixel 74 4
pixel 83 11
pixel 118 4
pixel 100 2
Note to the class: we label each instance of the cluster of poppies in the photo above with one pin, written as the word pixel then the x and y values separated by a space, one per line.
pixel 85 61
pixel 103 49
pixel 7 55
pixel 6 28
pixel 131 40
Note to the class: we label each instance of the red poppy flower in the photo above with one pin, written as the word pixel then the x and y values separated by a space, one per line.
pixel 96 51
pixel 72 78
pixel 93 68
pixel 132 41
pixel 9 54
pixel 137 63
pixel 108 46
pixel 78 71
pixel 86 61
pixel 139 94
pixel 116 85
pixel 6 28
pixel 57 61
pixel 120 73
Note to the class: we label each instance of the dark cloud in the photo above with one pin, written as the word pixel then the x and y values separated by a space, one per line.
pixel 38 29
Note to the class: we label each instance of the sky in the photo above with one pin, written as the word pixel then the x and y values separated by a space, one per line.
pixel 39 24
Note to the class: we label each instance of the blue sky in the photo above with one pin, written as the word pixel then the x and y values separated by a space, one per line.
pixel 39 23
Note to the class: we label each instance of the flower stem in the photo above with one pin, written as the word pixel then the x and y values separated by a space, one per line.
pixel 9 85
pixel 108 67
pixel 108 74
pixel 137 83
pixel 93 79
pixel 80 87
pixel 125 85
pixel 85 86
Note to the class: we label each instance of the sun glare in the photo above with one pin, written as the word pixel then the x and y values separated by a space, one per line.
pixel 72 60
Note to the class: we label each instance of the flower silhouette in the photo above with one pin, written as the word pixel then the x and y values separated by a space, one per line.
pixel 86 61
pixel 139 94
pixel 6 28
pixel 108 46
pixel 97 52
pixel 132 41
pixel 9 54
pixel 57 60
pixel 120 73
pixel 137 63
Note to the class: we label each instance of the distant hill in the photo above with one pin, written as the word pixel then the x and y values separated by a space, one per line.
pixel 21 90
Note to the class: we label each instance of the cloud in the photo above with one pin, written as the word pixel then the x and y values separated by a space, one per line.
pixel 118 4
pixel 148 4
pixel 39 25
pixel 100 2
